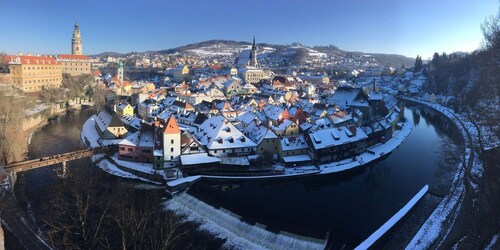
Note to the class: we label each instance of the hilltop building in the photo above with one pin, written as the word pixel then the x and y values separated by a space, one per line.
pixel 250 71
pixel 75 64
pixel 34 73
pixel 76 41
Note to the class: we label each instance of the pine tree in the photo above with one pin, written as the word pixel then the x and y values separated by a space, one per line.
pixel 418 63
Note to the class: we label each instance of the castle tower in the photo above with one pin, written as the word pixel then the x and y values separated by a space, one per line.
pixel 119 72
pixel 76 41
pixel 253 56
pixel 171 142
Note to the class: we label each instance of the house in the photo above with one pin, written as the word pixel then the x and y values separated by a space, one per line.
pixel 267 141
pixel 109 126
pixel 249 88
pixel 138 146
pixel 124 108
pixel 276 114
pixel 333 144
pixel 232 87
pixel 180 72
pixel 294 151
pixel 286 128
pixel 222 138
pixel 193 154
pixel 298 115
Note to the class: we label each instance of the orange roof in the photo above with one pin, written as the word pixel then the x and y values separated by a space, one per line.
pixel 33 60
pixel 73 57
pixel 172 127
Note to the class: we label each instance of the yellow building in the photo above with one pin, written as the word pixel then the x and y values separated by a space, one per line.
pixel 35 73
pixel 75 65
pixel 254 75
pixel 124 109
pixel 180 72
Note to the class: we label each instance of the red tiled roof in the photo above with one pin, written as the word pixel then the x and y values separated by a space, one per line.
pixel 33 60
pixel 172 127
pixel 73 57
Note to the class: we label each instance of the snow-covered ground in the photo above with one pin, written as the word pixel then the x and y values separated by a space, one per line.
pixel 239 234
pixel 110 168
pixel 89 135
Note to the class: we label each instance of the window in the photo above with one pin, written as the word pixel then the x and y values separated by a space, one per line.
pixel 130 149
pixel 171 157
pixel 171 149
pixel 122 148
pixel 172 141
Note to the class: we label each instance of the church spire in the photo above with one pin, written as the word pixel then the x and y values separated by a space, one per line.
pixel 253 55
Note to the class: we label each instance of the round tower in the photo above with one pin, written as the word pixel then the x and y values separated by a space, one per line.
pixel 76 41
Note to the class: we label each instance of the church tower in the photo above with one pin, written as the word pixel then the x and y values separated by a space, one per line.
pixel 253 56
pixel 76 42
pixel 119 72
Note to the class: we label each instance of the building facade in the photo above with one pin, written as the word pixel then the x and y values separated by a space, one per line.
pixel 35 73
pixel 75 65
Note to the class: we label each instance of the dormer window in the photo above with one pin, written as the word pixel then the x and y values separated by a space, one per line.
pixel 231 140
pixel 219 140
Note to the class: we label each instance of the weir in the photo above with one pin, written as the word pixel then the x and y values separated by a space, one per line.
pixel 240 233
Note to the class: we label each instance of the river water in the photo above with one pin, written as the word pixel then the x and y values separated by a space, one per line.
pixel 348 206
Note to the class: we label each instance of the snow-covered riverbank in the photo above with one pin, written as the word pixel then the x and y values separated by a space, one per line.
pixel 440 222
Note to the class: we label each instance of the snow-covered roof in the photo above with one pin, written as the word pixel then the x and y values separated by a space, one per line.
pixel 258 132
pixel 201 158
pixel 146 139
pixel 246 117
pixel 218 133
pixel 104 120
pixel 296 158
pixel 282 126
pixel 273 112
pixel 131 121
pixel 293 143
pixel 131 140
pixel 330 137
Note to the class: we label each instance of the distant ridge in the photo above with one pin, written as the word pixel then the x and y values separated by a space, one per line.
pixel 393 60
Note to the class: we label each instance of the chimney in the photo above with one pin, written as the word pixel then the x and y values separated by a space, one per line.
pixel 28 54
pixel 374 85
pixel 19 53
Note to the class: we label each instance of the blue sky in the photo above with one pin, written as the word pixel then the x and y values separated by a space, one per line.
pixel 386 26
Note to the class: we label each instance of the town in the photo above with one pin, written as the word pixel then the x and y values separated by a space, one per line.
pixel 245 144
pixel 226 111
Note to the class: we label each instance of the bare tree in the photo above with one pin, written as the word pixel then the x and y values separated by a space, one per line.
pixel 12 139
pixel 99 93
pixel 491 32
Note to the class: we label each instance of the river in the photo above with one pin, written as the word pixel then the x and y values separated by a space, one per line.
pixel 348 206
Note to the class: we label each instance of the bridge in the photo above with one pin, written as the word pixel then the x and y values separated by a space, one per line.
pixel 55 159
pixel 9 210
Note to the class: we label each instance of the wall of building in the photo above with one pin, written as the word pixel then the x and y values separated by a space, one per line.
pixel 232 151
pixel 268 146
pixel 36 77
pixel 76 68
